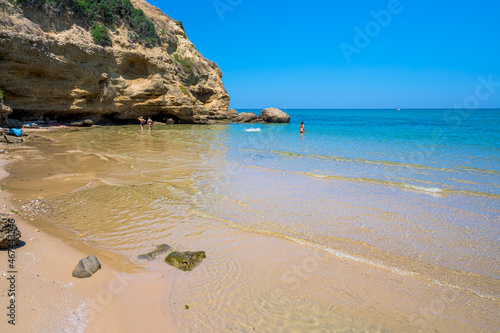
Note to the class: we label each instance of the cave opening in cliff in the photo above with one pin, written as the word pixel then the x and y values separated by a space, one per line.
pixel 166 118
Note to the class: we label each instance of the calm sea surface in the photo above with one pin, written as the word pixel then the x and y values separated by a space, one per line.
pixel 412 192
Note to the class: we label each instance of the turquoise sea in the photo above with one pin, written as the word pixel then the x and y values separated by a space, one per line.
pixel 425 185
pixel 430 150
pixel 412 193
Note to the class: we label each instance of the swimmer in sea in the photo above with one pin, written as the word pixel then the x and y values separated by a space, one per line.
pixel 143 121
pixel 301 128
pixel 150 123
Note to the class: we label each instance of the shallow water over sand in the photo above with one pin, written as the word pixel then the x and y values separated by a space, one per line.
pixel 288 248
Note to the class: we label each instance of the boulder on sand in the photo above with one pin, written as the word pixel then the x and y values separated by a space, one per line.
pixel 86 267
pixel 274 115
pixel 9 233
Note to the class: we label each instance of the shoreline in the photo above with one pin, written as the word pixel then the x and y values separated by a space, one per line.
pixel 48 298
pixel 124 297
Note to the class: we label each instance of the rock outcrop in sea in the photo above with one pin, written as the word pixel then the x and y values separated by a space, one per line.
pixel 52 67
pixel 269 115
pixel 274 115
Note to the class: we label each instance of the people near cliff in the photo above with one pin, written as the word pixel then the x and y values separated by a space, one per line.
pixel 150 124
pixel 142 122
pixel 301 128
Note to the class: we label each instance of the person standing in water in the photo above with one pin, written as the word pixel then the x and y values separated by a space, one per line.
pixel 301 128
pixel 150 124
pixel 142 121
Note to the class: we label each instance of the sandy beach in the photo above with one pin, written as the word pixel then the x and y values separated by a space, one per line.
pixel 49 299
pixel 251 280
pixel 246 166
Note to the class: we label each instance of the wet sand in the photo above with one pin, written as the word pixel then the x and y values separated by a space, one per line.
pixel 250 281
pixel 49 299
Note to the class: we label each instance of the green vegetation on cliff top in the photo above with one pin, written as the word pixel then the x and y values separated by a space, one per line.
pixel 106 12
pixel 100 34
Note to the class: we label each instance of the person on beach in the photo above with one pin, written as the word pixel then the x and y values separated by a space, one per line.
pixel 142 121
pixel 301 128
pixel 150 124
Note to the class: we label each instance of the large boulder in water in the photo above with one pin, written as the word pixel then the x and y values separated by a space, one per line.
pixel 245 117
pixel 9 233
pixel 185 261
pixel 274 115
pixel 87 267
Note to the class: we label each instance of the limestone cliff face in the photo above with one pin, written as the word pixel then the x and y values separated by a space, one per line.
pixel 50 67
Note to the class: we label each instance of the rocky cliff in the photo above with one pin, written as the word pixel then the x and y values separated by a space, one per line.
pixel 50 66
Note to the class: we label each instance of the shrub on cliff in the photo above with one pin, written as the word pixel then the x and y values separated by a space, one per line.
pixel 108 12
pixel 1 95
pixel 184 90
pixel 186 63
pixel 100 34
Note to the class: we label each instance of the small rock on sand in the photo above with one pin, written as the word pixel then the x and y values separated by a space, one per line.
pixel 86 267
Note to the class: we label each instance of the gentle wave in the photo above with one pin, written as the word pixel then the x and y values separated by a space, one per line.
pixel 379 162
pixel 429 190
pixel 252 129
pixel 302 241
pixel 346 255
pixel 365 161
pixel 423 188
pixel 479 170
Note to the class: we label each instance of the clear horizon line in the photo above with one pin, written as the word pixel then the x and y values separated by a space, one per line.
pixel 413 108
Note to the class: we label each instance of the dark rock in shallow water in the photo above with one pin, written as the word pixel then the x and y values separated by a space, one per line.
pixel 185 261
pixel 9 233
pixel 86 267
pixel 159 250
pixel 245 117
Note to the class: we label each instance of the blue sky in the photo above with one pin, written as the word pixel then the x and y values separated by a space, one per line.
pixel 349 54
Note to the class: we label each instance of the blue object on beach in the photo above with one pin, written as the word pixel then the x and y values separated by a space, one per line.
pixel 15 131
